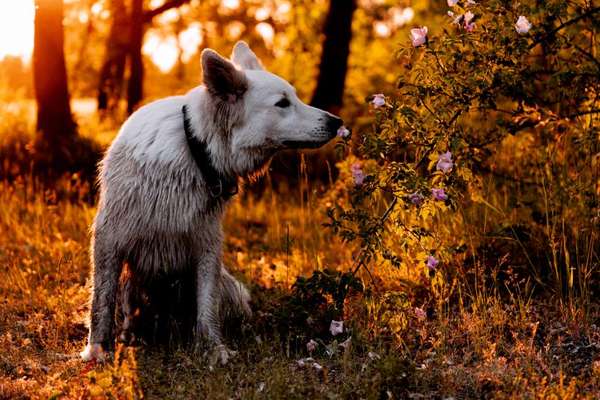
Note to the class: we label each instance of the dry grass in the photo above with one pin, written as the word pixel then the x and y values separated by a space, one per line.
pixel 489 349
pixel 475 342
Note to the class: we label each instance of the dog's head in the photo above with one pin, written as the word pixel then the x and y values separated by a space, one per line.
pixel 263 112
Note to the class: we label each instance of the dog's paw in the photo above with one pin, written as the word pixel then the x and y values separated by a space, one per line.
pixel 94 352
pixel 221 355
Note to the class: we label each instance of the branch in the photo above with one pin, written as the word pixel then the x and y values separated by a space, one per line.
pixel 587 54
pixel 553 32
pixel 169 4
pixel 582 113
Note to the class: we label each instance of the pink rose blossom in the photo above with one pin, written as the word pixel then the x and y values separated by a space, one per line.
pixel 311 346
pixel 343 132
pixel 357 174
pixel 432 263
pixel 420 314
pixel 445 163
pixel 416 198
pixel 523 25
pixel 346 343
pixel 469 17
pixel 418 36
pixel 468 21
pixel 336 327
pixel 439 194
pixel 378 100
pixel 452 3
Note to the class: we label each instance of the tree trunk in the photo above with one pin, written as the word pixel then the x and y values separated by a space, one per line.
pixel 110 85
pixel 136 77
pixel 56 130
pixel 329 92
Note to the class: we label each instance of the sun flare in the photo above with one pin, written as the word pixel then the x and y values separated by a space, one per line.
pixel 16 28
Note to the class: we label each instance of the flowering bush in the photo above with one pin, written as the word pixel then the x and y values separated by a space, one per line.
pixel 493 128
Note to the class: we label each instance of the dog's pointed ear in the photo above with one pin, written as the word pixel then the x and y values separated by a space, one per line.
pixel 221 77
pixel 244 57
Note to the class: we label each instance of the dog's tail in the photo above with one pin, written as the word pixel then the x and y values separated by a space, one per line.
pixel 235 298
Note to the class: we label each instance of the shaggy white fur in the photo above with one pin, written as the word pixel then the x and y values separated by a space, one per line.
pixel 156 211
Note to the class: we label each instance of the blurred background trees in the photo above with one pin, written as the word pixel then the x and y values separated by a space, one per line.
pixel 114 55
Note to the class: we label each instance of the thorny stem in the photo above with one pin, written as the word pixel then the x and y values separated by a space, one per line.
pixel 361 257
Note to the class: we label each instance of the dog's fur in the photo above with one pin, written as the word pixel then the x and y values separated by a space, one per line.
pixel 156 213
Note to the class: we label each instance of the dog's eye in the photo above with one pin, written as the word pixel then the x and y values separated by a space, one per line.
pixel 283 103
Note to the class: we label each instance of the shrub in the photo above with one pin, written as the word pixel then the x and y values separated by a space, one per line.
pixel 491 139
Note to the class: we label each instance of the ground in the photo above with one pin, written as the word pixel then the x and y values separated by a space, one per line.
pixel 490 349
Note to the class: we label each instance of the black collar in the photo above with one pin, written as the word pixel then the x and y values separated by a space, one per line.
pixel 219 186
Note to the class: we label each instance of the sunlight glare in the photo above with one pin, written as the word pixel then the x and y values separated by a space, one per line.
pixel 382 29
pixel 262 13
pixel 162 51
pixel 190 40
pixel 266 31
pixel 231 4
pixel 16 29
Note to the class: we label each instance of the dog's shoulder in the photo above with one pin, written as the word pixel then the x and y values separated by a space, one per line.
pixel 153 132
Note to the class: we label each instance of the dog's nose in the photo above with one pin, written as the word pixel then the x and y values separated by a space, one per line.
pixel 333 124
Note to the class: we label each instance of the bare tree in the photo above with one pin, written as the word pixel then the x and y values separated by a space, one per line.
pixel 110 85
pixel 55 125
pixel 135 88
pixel 329 92
pixel 124 43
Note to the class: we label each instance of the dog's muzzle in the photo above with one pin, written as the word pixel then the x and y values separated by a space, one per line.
pixel 333 124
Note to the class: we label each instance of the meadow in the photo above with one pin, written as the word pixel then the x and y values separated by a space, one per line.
pixel 443 246
pixel 484 342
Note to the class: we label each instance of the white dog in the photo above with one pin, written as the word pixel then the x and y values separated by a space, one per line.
pixel 167 176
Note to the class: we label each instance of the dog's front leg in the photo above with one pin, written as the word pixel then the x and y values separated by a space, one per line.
pixel 208 322
pixel 107 268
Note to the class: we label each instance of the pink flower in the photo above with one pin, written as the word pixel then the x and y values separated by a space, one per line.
pixel 346 343
pixel 452 3
pixel 471 3
pixel 336 327
pixel 378 100
pixel 439 194
pixel 311 346
pixel 432 262
pixel 357 174
pixel 445 163
pixel 418 36
pixel 416 198
pixel 469 17
pixel 420 314
pixel 343 132
pixel 468 21
pixel 523 25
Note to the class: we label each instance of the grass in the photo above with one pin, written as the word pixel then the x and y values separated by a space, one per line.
pixel 490 349
pixel 474 341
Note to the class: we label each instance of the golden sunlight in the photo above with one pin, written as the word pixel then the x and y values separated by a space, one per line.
pixel 162 51
pixel 16 29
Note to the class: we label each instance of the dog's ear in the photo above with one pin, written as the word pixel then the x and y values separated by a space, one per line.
pixel 244 57
pixel 221 77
